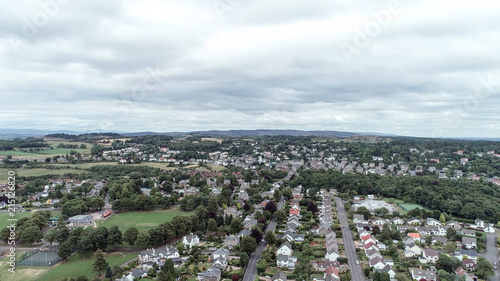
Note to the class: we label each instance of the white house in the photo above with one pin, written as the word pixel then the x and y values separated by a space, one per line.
pixel 191 240
pixel 285 249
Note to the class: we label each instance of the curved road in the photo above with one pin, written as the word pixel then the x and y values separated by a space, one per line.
pixel 350 249
pixel 251 270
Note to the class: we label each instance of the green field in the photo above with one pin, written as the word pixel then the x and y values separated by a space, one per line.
pixel 19 215
pixel 144 221
pixel 21 273
pixel 76 266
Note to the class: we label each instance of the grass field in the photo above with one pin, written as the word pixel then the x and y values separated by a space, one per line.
pixel 76 266
pixel 21 273
pixel 42 171
pixel 19 215
pixel 144 221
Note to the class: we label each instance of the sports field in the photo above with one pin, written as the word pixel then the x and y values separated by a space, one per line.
pixel 76 266
pixel 144 221
pixel 21 273
pixel 19 215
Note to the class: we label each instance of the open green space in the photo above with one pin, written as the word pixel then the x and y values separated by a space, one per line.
pixel 77 266
pixel 36 172
pixel 144 221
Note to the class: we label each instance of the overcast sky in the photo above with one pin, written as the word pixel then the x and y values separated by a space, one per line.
pixel 417 68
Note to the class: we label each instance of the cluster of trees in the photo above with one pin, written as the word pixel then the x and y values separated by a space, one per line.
pixel 447 265
pixel 72 146
pixel 23 143
pixel 459 198
pixel 73 207
pixel 28 229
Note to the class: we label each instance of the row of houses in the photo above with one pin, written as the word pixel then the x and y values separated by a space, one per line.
pixel 375 258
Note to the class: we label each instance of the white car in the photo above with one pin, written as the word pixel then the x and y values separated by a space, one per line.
pixel 357 262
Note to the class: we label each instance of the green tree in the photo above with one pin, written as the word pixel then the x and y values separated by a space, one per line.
pixel 100 263
pixel 31 234
pixel 248 244
pixel 65 250
pixel 212 225
pixel 109 272
pixel 130 235
pixel 261 265
pixel 442 218
pixel 236 225
pixel 143 240
pixel 448 263
pixel 84 245
pixel 484 268
pixel 244 258
pixel 280 215
pixel 115 236
pixel 50 236
pixel 270 238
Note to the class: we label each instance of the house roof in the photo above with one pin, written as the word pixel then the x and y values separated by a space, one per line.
pixel 414 235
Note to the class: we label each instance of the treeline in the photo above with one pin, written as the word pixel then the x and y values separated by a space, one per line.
pixel 23 143
pixel 72 146
pixel 124 170
pixel 460 198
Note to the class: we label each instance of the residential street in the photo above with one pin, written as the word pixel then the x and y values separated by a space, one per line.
pixel 251 270
pixel 492 253
pixel 350 249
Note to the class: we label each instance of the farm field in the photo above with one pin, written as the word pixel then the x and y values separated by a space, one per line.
pixel 21 273
pixel 144 221
pixel 77 266
pixel 35 172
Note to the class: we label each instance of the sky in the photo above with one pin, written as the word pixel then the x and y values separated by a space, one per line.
pixel 417 68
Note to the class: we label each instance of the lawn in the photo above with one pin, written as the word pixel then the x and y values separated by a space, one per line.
pixel 21 273
pixel 144 221
pixel 76 266
pixel 19 215
pixel 4 174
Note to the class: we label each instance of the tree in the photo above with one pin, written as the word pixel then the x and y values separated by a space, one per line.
pixel 270 238
pixel 442 218
pixel 450 233
pixel 448 263
pixel 287 193
pixel 364 211
pixel 312 207
pixel 31 235
pixel 100 264
pixel 261 266
pixel 65 250
pixel 109 272
pixel 100 238
pixel 248 244
pixel 212 225
pixel 114 236
pixel 236 225
pixel 271 207
pixel 84 245
pixel 143 240
pixel 244 258
pixel 50 236
pixel 484 268
pixel 280 215
pixel 130 235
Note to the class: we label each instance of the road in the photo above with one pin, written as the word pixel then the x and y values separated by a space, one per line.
pixel 251 270
pixel 350 249
pixel 492 253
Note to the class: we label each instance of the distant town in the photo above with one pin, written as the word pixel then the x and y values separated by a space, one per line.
pixel 105 206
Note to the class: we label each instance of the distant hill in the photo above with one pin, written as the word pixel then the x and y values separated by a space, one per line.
pixel 242 133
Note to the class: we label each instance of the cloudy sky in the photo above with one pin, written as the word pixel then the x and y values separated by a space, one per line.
pixel 418 68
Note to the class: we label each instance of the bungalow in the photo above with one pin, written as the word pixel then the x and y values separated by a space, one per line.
pixel 433 222
pixel 212 274
pixel 471 254
pixel 461 272
pixel 279 276
pixel 413 221
pixel 419 274
pixel 81 220
pixel 469 242
pixel 441 240
pixel 397 221
pixel 469 264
